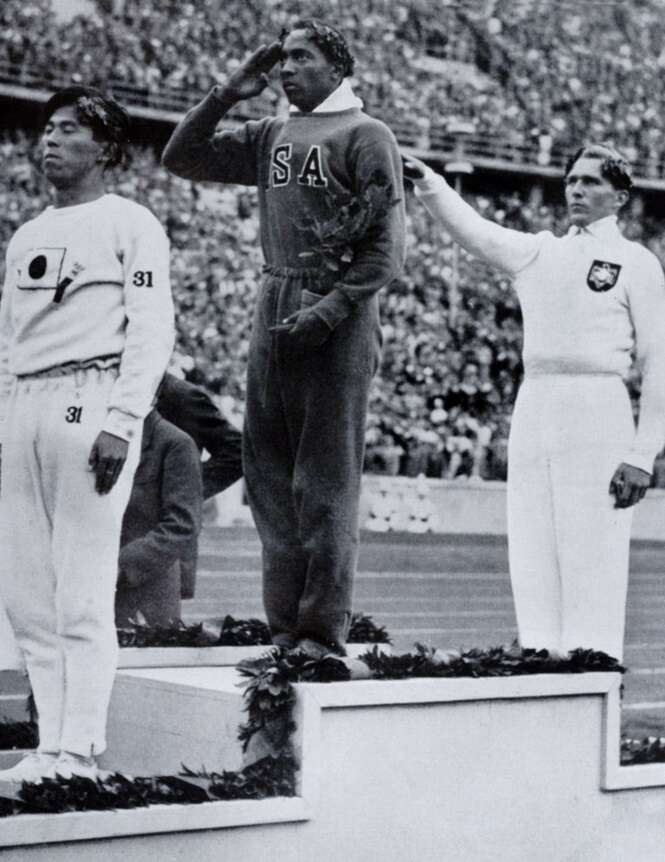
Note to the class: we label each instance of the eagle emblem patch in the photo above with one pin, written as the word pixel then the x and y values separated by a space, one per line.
pixel 603 275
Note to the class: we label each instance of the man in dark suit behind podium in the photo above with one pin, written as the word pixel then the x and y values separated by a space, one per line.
pixel 159 543
pixel 193 411
pixel 161 524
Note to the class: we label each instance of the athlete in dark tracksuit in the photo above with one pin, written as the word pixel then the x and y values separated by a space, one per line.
pixel 306 403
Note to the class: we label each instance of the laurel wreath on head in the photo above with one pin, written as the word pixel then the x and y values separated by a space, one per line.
pixel 93 109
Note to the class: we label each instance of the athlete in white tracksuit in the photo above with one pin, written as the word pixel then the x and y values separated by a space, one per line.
pixel 86 332
pixel 589 300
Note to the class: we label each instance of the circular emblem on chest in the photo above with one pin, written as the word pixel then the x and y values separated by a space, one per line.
pixel 37 266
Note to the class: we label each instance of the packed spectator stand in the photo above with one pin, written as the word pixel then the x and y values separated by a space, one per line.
pixel 529 85
pixel 532 77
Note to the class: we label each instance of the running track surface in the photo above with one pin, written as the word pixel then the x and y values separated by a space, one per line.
pixel 450 591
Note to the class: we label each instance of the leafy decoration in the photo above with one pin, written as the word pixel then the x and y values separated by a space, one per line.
pixel 364 630
pixel 496 661
pixel 56 795
pixel 269 699
pixel 18 734
pixel 228 632
pixel 251 632
pixel 176 634
pixel 333 240
pixel 269 694
pixel 270 776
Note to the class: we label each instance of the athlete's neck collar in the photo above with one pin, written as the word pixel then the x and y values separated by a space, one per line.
pixel 605 226
pixel 341 99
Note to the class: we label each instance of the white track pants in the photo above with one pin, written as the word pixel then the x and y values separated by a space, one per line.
pixel 59 540
pixel 568 545
pixel 10 655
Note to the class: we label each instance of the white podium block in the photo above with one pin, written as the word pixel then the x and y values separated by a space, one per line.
pixel 161 718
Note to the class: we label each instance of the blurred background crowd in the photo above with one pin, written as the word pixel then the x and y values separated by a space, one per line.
pixel 538 74
pixel 442 401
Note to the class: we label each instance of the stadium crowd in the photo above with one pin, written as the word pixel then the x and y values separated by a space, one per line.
pixel 514 69
pixel 442 401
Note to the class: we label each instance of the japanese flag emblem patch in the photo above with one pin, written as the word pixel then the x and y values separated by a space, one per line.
pixel 41 269
pixel 603 275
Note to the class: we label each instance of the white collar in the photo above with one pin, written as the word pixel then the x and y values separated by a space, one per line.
pixel 341 99
pixel 605 227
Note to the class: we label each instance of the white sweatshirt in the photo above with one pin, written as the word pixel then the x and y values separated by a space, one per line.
pixel 589 299
pixel 110 260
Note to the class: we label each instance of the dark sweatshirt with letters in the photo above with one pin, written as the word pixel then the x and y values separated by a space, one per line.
pixel 303 165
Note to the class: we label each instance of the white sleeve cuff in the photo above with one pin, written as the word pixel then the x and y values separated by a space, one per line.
pixel 122 425
pixel 640 460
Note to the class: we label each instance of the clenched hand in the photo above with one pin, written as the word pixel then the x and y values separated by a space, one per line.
pixel 629 484
pixel 107 458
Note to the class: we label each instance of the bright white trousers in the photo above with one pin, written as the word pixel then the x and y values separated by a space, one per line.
pixel 568 545
pixel 10 655
pixel 60 542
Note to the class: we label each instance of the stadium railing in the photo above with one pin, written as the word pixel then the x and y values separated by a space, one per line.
pixel 167 104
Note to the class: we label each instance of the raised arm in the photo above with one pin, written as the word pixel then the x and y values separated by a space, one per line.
pixel 507 249
pixel 196 152
pixel 194 412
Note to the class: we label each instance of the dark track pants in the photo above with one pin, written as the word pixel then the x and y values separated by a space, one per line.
pixel 303 447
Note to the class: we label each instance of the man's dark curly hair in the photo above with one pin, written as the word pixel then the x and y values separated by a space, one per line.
pixel 330 42
pixel 613 167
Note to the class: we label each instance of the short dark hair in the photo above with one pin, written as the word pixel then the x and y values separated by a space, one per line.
pixel 331 42
pixel 614 167
pixel 108 120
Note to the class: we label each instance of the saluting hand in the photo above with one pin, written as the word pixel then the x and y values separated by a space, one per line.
pixel 629 484
pixel 107 458
pixel 251 77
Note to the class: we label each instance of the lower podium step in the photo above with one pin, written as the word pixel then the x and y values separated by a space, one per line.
pixel 217 656
pixel 174 706
pixel 162 718
pixel 471 770
pixel 10 756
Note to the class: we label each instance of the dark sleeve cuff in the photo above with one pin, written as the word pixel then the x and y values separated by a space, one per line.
pixel 333 308
pixel 215 97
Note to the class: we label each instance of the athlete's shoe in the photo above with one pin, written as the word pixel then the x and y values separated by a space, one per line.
pixel 74 765
pixel 32 768
pixel 284 640
pixel 314 649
